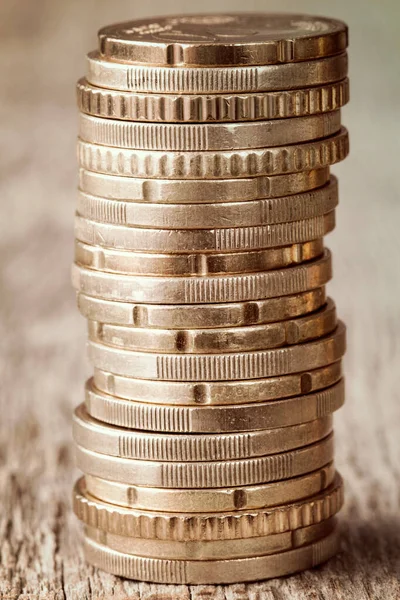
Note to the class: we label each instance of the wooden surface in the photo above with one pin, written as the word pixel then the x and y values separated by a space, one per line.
pixel 42 337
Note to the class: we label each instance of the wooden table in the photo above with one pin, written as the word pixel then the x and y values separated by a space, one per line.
pixel 42 336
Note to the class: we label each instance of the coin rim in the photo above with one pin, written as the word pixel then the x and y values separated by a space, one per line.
pixel 207 289
pixel 116 237
pixel 183 341
pixel 214 80
pixel 183 419
pixel 169 191
pixel 255 364
pixel 203 108
pixel 216 549
pixel 112 440
pixel 289 48
pixel 278 160
pixel 215 137
pixel 207 526
pixel 319 552
pixel 249 313
pixel 205 394
pixel 218 500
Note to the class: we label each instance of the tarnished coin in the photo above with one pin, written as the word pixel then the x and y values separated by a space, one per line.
pixel 220 367
pixel 289 212
pixel 214 80
pixel 211 571
pixel 213 550
pixel 223 40
pixel 186 108
pixel 214 474
pixel 102 438
pixel 206 136
pixel 197 290
pixel 235 339
pixel 211 164
pixel 188 241
pixel 238 524
pixel 214 499
pixel 201 316
pixel 216 393
pixel 213 419
pixel 154 192
pixel 150 264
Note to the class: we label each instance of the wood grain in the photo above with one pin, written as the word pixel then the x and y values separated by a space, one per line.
pixel 42 337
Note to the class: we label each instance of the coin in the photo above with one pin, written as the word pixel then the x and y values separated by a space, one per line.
pixel 156 192
pixel 214 165
pixel 220 367
pixel 235 339
pixel 201 315
pixel 223 40
pixel 213 550
pixel 289 212
pixel 211 571
pixel 175 265
pixel 206 136
pixel 189 241
pixel 186 108
pixel 217 392
pixel 196 290
pixel 285 211
pixel 214 499
pixel 205 80
pixel 125 443
pixel 213 419
pixel 215 474
pixel 238 524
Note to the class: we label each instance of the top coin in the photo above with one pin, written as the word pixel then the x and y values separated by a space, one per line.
pixel 223 39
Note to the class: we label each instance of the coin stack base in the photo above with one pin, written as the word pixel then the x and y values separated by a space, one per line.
pixel 205 193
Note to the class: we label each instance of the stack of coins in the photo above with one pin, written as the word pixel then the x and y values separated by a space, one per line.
pixel 205 192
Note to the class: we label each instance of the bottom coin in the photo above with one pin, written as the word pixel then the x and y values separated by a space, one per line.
pixel 211 499
pixel 211 571
pixel 212 550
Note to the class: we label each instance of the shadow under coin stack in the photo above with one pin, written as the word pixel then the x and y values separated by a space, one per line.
pixel 206 435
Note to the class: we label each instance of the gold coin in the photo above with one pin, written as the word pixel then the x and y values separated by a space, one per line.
pixel 150 264
pixel 214 499
pixel 125 443
pixel 197 290
pixel 214 474
pixel 211 571
pixel 238 524
pixel 235 339
pixel 217 393
pixel 158 192
pixel 213 419
pixel 220 367
pixel 189 241
pixel 200 316
pixel 213 550
pixel 223 40
pixel 284 213
pixel 213 80
pixel 186 108
pixel 214 165
pixel 196 137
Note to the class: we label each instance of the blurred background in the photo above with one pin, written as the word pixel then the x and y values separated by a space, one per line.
pixel 42 51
